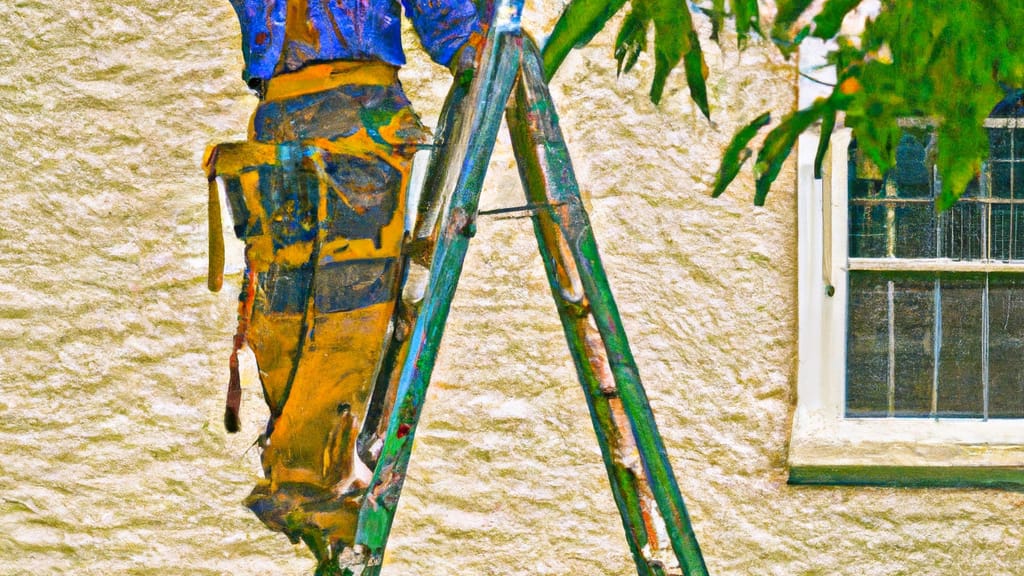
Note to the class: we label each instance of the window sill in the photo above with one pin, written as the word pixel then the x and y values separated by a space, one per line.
pixel 909 453
pixel 910 476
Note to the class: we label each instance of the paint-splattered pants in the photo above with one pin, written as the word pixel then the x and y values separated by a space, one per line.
pixel 324 235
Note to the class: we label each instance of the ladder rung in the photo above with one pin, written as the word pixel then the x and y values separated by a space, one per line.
pixel 532 208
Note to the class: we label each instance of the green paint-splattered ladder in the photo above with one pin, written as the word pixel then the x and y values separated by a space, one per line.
pixel 510 72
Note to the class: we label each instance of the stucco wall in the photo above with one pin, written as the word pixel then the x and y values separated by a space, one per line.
pixel 113 356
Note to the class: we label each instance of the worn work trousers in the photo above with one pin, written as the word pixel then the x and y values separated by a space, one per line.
pixel 323 252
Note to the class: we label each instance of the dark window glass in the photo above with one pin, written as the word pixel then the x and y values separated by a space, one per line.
pixel 911 174
pixel 961 230
pixel 1006 346
pixel 915 231
pixel 1017 246
pixel 960 391
pixel 914 344
pixel 1001 178
pixel 999 144
pixel 1018 179
pixel 1003 228
pixel 867 346
pixel 1018 140
pixel 868 231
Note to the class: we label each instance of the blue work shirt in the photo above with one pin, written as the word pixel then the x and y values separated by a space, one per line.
pixel 347 30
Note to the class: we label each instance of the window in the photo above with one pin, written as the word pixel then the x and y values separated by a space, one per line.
pixel 912 323
pixel 935 302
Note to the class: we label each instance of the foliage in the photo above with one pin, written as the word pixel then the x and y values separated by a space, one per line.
pixel 950 61
pixel 675 40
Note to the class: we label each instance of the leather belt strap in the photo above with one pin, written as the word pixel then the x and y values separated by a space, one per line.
pixel 319 77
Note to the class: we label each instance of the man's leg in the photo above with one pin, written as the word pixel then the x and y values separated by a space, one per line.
pixel 318 335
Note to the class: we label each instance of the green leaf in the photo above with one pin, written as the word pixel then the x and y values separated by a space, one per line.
pixel 579 23
pixel 717 15
pixel 924 60
pixel 830 19
pixel 697 74
pixel 672 28
pixel 828 123
pixel 789 12
pixel 779 143
pixel 737 153
pixel 914 59
pixel 631 41
pixel 961 150
pixel 675 38
pixel 748 19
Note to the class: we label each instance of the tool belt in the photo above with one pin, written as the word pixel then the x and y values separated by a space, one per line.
pixel 283 201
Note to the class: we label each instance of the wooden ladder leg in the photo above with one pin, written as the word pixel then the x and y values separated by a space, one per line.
pixel 415 272
pixel 461 182
pixel 641 477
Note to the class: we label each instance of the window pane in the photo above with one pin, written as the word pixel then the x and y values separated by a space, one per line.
pixel 1017 247
pixel 1005 231
pixel 914 316
pixel 999 143
pixel 922 344
pixel 961 231
pixel 868 235
pixel 960 388
pixel 862 187
pixel 911 174
pixel 1006 346
pixel 867 346
pixel 1001 179
pixel 915 231
pixel 1018 140
pixel 1007 179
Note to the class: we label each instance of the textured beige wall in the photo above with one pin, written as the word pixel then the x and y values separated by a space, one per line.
pixel 113 356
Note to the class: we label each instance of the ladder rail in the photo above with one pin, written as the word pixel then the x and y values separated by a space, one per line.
pixel 414 270
pixel 547 176
pixel 460 186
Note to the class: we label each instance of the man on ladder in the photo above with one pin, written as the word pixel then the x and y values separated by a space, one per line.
pixel 641 478
pixel 324 235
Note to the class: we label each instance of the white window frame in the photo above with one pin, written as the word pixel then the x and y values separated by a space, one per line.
pixel 825 446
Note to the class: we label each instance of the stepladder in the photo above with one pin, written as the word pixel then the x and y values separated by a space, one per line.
pixel 508 82
pixel 509 79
